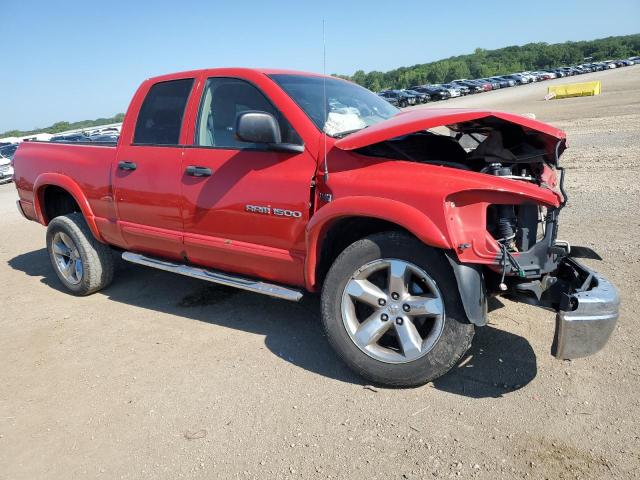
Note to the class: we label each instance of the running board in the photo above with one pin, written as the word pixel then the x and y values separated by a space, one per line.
pixel 242 283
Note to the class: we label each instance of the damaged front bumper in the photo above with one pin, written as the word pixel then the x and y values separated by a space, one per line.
pixel 587 314
pixel 586 306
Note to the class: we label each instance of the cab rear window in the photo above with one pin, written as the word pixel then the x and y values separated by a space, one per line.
pixel 161 114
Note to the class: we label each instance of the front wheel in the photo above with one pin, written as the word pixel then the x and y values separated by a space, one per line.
pixel 392 312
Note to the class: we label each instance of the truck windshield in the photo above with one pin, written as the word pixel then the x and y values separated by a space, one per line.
pixel 348 107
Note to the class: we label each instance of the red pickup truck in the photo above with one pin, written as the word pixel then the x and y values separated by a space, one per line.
pixel 281 182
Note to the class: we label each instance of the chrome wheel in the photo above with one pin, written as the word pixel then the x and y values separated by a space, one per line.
pixel 392 310
pixel 67 258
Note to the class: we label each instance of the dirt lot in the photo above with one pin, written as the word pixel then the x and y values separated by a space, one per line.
pixel 167 377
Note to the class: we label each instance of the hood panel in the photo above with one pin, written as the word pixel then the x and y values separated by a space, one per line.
pixel 424 118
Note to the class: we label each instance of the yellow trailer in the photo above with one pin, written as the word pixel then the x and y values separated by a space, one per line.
pixel 584 89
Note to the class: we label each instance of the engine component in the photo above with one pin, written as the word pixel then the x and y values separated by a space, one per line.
pixel 506 221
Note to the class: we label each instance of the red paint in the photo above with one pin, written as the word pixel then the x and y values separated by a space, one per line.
pixel 159 210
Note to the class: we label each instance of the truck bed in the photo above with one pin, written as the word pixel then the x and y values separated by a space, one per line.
pixel 88 164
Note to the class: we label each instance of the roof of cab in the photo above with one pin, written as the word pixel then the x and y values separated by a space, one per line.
pixel 230 71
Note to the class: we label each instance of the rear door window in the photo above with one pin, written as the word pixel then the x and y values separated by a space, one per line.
pixel 161 114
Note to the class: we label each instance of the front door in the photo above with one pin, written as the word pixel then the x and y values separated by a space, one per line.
pixel 147 173
pixel 245 206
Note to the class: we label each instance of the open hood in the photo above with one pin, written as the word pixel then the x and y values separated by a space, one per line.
pixel 416 120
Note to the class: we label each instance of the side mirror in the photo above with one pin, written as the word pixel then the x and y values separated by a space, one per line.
pixel 258 127
pixel 262 127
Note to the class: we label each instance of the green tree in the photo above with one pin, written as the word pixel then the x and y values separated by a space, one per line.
pixel 486 63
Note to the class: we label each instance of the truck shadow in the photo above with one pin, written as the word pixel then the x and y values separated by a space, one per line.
pixel 497 363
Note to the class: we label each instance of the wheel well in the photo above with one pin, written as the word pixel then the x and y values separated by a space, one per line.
pixel 344 232
pixel 57 201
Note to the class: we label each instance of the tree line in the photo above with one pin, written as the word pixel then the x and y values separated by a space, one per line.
pixel 64 126
pixel 487 63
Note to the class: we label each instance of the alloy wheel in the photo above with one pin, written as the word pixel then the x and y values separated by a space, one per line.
pixel 393 310
pixel 67 258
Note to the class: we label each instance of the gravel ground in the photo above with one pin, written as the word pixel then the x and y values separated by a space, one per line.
pixel 167 377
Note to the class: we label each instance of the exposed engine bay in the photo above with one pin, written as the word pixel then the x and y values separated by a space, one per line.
pixel 493 147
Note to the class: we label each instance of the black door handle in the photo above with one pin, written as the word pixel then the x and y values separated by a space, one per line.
pixel 195 171
pixel 124 165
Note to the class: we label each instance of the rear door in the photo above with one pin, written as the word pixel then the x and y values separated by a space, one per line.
pixel 248 210
pixel 147 173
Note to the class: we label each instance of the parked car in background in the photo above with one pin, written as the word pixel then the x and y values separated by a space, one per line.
pixel 436 93
pixel 106 138
pixel 476 86
pixel 542 76
pixel 113 130
pixel 6 156
pixel 6 170
pixel 404 99
pixel 504 83
pixel 391 99
pixel 495 85
pixel 453 91
pixel 9 150
pixel 529 76
pixel 463 89
pixel 421 96
pixel 74 137
pixel 484 84
pixel 516 78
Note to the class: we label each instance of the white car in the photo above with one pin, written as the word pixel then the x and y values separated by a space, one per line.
pixel 454 92
pixel 6 170
pixel 531 78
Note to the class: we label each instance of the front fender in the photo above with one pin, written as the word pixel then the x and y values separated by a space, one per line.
pixel 46 179
pixel 399 213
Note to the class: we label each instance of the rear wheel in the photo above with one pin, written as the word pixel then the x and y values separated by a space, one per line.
pixel 82 263
pixel 391 310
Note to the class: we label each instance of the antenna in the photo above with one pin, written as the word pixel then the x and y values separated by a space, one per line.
pixel 324 100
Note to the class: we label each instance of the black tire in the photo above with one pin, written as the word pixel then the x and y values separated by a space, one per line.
pixel 403 104
pixel 96 257
pixel 457 332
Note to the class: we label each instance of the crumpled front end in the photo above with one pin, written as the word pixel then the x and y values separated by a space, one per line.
pixel 502 194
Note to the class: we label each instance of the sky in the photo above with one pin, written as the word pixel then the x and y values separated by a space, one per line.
pixel 75 60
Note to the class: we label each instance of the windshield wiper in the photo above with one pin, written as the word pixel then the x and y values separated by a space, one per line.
pixel 347 132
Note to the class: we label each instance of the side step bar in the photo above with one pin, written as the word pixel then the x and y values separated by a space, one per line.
pixel 257 286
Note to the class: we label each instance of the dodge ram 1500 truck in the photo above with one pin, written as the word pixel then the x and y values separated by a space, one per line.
pixel 281 182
